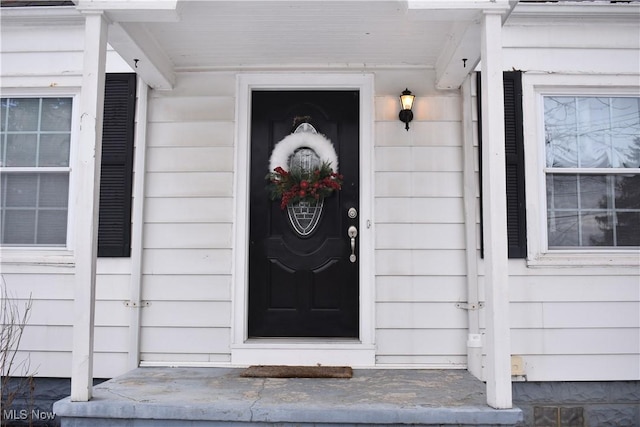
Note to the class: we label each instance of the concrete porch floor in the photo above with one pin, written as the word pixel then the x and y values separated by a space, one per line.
pixel 219 397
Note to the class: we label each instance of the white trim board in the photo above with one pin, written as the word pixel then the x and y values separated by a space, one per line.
pixel 294 351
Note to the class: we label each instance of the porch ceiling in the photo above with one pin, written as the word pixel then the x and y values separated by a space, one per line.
pixel 169 36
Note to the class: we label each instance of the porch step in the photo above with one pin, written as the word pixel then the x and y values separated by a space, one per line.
pixel 199 397
pixel 110 422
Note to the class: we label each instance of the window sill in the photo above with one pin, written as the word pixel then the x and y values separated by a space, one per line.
pixel 587 259
pixel 37 257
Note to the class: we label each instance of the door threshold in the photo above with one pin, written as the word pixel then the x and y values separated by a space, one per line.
pixel 303 351
pixel 302 340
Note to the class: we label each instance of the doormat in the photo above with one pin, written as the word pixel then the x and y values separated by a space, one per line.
pixel 278 371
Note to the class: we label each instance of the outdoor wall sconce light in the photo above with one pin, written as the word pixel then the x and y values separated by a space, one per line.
pixel 406 100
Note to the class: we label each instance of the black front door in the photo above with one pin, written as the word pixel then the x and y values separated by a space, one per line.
pixel 303 285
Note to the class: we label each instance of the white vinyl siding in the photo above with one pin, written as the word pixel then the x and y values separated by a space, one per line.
pixel 187 258
pixel 570 326
pixel 46 62
pixel 574 313
pixel 47 339
pixel 420 242
pixel 575 322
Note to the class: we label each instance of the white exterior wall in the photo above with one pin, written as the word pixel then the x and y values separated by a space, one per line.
pixel 572 322
pixel 189 223
pixel 40 61
pixel 420 241
pixel 569 323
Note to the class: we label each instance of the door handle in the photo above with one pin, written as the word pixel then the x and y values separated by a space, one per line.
pixel 352 232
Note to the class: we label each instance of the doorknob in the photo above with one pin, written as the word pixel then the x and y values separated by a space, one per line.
pixel 352 232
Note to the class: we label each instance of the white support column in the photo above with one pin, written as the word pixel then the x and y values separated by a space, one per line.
pixel 86 200
pixel 498 334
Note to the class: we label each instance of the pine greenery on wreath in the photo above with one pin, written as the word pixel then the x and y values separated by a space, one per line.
pixel 301 186
pixel 298 185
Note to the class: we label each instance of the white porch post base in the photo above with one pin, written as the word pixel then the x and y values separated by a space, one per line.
pixel 86 177
pixel 498 341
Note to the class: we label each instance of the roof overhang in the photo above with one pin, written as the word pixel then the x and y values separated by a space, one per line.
pixel 159 38
pixel 461 52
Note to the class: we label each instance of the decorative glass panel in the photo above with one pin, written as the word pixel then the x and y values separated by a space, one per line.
pixel 304 216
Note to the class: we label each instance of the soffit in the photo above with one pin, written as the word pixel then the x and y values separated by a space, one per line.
pixel 180 35
pixel 267 33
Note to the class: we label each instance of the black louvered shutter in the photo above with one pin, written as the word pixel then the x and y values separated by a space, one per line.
pixel 114 231
pixel 514 151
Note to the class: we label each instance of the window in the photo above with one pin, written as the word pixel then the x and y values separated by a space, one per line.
pixel 35 141
pixel 35 147
pixel 592 171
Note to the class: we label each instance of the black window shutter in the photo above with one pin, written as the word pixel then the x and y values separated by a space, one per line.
pixel 514 164
pixel 514 151
pixel 114 230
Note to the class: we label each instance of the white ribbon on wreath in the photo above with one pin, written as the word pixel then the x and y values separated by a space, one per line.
pixel 290 143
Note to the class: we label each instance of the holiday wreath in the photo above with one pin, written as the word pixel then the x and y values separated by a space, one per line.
pixel 296 184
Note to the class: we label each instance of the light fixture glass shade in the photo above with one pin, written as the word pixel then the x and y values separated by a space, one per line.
pixel 406 99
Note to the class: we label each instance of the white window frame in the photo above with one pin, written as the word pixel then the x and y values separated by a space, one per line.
pixel 49 255
pixel 535 87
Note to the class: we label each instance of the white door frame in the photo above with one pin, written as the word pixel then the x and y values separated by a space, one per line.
pixel 356 352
